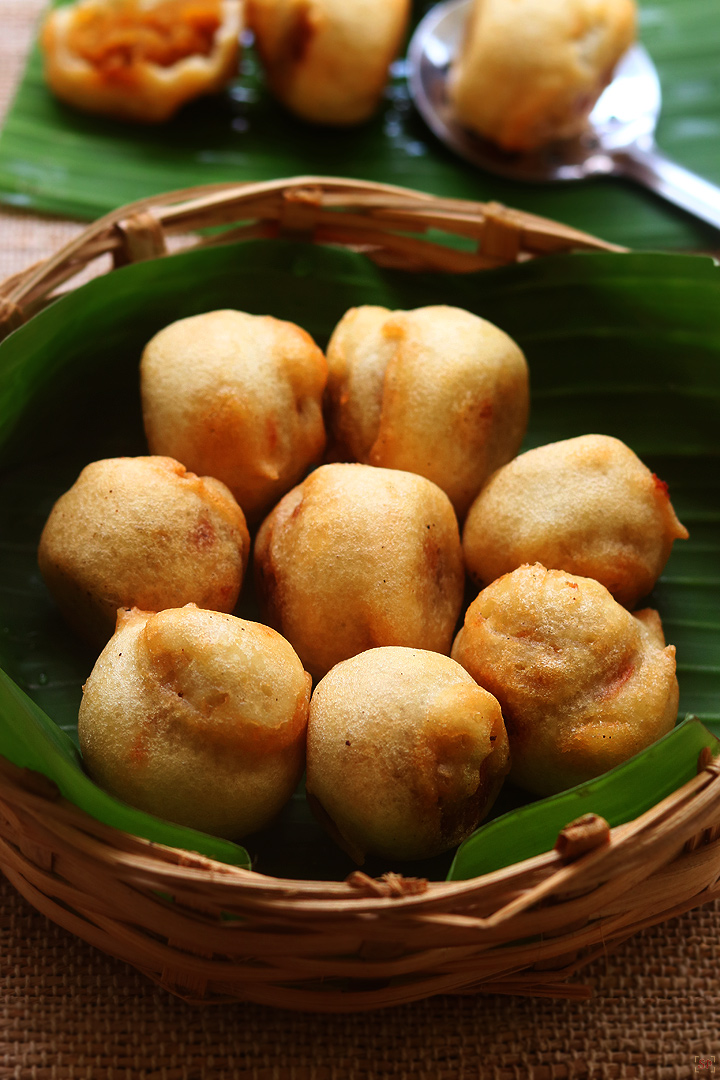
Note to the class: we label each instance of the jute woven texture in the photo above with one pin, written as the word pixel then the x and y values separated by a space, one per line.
pixel 67 1011
pixel 24 239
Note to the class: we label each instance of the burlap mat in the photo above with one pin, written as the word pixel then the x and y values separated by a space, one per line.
pixel 69 1012
pixel 24 239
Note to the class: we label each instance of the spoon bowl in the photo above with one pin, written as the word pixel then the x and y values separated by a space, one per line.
pixel 619 139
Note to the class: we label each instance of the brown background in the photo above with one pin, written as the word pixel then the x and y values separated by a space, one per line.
pixel 68 1011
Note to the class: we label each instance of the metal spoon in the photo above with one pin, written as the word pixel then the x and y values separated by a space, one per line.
pixel 619 140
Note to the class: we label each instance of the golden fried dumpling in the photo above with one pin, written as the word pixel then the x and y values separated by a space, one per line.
pixel 140 59
pixel 586 505
pixel 437 391
pixel 582 683
pixel 530 71
pixel 328 60
pixel 197 717
pixel 357 557
pixel 405 753
pixel 141 532
pixel 239 397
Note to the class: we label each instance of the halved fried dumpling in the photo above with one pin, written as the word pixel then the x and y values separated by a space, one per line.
pixel 141 532
pixel 140 59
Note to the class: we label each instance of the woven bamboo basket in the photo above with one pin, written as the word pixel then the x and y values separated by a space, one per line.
pixel 363 943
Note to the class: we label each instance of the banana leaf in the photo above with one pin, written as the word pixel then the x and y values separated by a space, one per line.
pixel 618 796
pixel 54 158
pixel 628 345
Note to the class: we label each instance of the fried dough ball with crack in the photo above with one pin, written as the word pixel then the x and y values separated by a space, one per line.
pixel 405 753
pixel 239 397
pixel 586 505
pixel 197 717
pixel 357 557
pixel 141 532
pixel 437 391
pixel 140 60
pixel 530 71
pixel 582 683
pixel 328 60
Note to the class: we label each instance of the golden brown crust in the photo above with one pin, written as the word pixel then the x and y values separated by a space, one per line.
pixel 583 684
pixel 358 354
pixel 530 71
pixel 436 391
pixel 198 717
pixel 406 753
pixel 141 532
pixel 239 397
pixel 327 60
pixel 586 505
pixel 358 557
pixel 140 62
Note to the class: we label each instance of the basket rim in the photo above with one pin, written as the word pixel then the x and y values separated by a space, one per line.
pixel 37 795
pixel 136 232
pixel 375 217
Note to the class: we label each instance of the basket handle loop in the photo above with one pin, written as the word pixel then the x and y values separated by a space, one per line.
pixel 140 237
pixel 502 234
pixel 298 212
pixel 585 834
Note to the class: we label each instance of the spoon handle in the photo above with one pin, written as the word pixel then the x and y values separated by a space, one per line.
pixel 647 165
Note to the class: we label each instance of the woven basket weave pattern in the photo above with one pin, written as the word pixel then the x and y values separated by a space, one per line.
pixel 230 934
pixel 378 219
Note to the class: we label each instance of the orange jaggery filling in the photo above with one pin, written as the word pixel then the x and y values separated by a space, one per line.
pixel 121 36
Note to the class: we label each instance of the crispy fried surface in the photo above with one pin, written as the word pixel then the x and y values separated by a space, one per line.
pixel 530 71
pixel 237 396
pixel 437 391
pixel 198 717
pixel 328 60
pixel 406 753
pixel 582 683
pixel 586 505
pixel 357 557
pixel 142 532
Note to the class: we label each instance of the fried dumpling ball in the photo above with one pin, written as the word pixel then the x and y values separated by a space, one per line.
pixel 437 391
pixel 586 505
pixel 328 60
pixel 141 532
pixel 239 397
pixel 405 753
pixel 583 684
pixel 197 717
pixel 356 557
pixel 140 60
pixel 530 71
